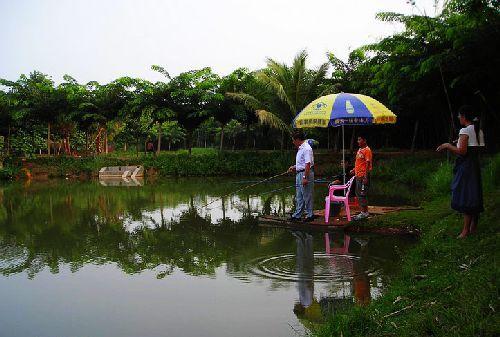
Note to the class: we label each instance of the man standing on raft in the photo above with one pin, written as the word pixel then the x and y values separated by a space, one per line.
pixel 304 178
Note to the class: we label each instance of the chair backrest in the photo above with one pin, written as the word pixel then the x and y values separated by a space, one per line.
pixel 349 185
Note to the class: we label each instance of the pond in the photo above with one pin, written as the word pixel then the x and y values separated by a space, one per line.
pixel 85 259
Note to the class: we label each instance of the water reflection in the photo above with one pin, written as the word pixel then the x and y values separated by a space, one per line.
pixel 346 266
pixel 359 269
pixel 126 181
pixel 307 306
pixel 57 223
pixel 124 235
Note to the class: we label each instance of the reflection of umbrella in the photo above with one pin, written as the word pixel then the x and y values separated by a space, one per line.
pixel 343 109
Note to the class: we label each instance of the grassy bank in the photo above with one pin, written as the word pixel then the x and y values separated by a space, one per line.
pixel 166 164
pixel 447 286
pixel 399 167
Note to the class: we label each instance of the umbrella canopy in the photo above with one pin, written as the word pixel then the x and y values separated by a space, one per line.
pixel 343 109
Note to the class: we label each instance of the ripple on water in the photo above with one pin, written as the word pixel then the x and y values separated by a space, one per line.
pixel 323 268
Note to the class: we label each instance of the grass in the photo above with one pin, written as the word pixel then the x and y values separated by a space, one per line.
pixel 447 286
pixel 202 162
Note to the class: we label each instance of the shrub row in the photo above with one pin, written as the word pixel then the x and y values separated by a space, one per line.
pixel 168 164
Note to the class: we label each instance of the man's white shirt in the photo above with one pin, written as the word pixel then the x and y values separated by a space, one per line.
pixel 304 156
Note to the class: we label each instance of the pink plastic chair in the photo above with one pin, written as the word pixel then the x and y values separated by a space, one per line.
pixel 344 199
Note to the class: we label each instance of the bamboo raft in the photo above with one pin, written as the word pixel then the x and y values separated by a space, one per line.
pixel 340 221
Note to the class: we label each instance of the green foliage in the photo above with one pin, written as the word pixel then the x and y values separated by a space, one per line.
pixel 27 143
pixel 447 286
pixel 202 162
pixel 491 173
pixel 423 73
pixel 8 172
pixel 411 170
pixel 456 295
pixel 224 163
pixel 173 132
pixel 439 182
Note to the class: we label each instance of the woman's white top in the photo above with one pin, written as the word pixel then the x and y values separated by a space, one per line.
pixel 472 141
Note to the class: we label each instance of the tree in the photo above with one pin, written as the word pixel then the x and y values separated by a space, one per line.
pixel 190 95
pixel 173 132
pixel 234 128
pixel 39 100
pixel 236 82
pixel 434 65
pixel 291 89
pixel 6 119
pixel 102 104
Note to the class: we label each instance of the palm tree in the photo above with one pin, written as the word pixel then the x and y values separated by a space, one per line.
pixel 290 88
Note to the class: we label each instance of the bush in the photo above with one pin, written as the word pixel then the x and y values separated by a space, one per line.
pixel 167 164
pixel 439 182
pixel 409 170
pixel 224 163
pixel 8 173
pixel 491 173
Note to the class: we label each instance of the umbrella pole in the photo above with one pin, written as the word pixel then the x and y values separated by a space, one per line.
pixel 343 155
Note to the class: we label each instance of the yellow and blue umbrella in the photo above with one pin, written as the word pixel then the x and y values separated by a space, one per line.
pixel 343 109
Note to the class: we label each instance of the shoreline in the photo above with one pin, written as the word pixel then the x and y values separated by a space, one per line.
pixel 446 286
pixel 226 163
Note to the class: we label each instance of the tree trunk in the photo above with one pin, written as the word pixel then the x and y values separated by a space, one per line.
pixel 48 139
pixel 97 141
pixel 169 145
pixel 452 125
pixel 158 147
pixel 68 144
pixel 106 141
pixel 221 137
pixel 247 145
pixel 415 130
pixel 223 208
pixel 8 141
pixel 190 141
pixel 125 147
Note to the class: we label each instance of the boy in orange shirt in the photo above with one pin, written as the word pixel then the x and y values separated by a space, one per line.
pixel 362 169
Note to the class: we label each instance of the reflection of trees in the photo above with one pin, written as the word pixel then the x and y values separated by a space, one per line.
pixel 75 224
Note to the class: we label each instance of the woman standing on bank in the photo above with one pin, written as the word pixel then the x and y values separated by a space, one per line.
pixel 466 187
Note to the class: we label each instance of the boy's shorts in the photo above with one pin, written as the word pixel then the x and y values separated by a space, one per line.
pixel 362 196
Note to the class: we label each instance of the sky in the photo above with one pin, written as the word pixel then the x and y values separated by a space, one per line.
pixel 105 39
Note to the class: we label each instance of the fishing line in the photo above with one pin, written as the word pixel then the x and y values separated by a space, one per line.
pixel 244 188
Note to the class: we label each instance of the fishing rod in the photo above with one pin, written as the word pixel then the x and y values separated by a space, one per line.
pixel 276 190
pixel 316 181
pixel 244 188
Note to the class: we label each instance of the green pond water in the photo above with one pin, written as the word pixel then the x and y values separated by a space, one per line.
pixel 85 259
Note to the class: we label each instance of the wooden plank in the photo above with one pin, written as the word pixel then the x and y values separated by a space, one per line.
pixel 317 224
pixel 296 225
pixel 340 222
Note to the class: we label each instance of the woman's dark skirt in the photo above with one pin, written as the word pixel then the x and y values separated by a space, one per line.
pixel 466 187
